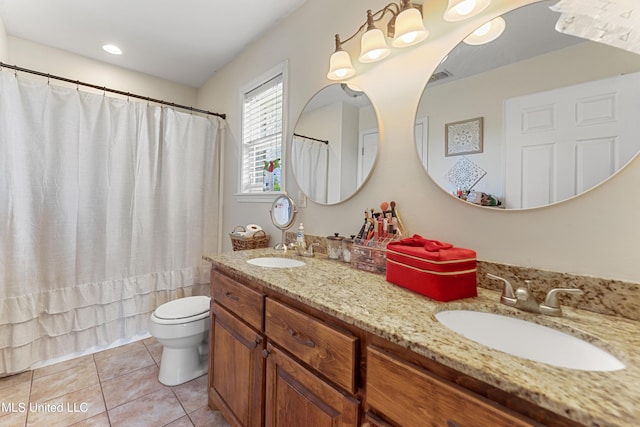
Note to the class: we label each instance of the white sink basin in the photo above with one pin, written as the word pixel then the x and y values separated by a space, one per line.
pixel 276 262
pixel 529 340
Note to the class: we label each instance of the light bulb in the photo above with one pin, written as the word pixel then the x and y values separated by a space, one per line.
pixel 483 30
pixel 409 37
pixel 458 10
pixel 466 7
pixel 487 32
pixel 374 54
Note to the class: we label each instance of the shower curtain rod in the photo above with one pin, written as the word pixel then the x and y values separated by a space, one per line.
pixel 324 141
pixel 106 89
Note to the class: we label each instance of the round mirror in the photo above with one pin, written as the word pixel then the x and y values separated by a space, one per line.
pixel 334 144
pixel 283 212
pixel 532 118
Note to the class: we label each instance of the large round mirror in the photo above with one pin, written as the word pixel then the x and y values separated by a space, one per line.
pixel 534 117
pixel 334 144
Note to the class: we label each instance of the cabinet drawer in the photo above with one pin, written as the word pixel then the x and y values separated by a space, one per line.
pixel 246 303
pixel 330 352
pixel 407 395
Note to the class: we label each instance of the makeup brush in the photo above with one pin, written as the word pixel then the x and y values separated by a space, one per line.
pixel 362 229
pixel 396 214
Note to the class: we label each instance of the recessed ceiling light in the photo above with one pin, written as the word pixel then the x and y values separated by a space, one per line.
pixel 113 49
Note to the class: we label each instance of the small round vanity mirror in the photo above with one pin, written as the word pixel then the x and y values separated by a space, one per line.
pixel 283 212
pixel 532 118
pixel 334 144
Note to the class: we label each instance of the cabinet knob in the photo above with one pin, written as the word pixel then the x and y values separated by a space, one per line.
pixel 302 339
pixel 265 353
pixel 231 296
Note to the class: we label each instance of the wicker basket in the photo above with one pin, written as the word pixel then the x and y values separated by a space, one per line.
pixel 259 240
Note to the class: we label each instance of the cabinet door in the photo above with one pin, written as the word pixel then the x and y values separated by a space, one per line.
pixel 295 397
pixel 407 395
pixel 237 369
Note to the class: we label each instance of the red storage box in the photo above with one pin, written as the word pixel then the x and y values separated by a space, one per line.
pixel 437 270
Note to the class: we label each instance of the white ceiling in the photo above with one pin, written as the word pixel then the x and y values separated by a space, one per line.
pixel 184 41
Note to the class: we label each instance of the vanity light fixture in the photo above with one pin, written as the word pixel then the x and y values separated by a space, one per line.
pixel 487 33
pixel 405 27
pixel 459 10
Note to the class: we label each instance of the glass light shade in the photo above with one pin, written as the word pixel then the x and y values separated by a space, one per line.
pixel 487 32
pixel 373 46
pixel 340 66
pixel 458 10
pixel 410 29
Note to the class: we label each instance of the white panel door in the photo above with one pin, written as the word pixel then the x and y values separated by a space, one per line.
pixel 422 141
pixel 368 147
pixel 562 142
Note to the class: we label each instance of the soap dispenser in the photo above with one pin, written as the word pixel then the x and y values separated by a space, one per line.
pixel 300 239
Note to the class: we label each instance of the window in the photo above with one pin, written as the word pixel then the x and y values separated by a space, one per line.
pixel 263 112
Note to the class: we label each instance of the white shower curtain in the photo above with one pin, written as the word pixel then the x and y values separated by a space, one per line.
pixel 310 166
pixel 106 208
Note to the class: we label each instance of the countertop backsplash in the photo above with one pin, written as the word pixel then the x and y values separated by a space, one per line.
pixel 604 296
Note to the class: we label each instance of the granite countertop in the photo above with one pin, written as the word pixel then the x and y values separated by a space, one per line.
pixel 368 301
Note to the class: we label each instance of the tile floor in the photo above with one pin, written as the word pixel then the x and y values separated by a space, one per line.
pixel 115 387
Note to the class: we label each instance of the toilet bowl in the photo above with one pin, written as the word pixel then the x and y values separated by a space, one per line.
pixel 182 327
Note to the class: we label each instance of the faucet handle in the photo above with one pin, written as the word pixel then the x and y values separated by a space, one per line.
pixel 508 296
pixel 551 305
pixel 309 252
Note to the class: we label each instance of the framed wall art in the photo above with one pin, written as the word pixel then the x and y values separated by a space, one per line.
pixel 463 137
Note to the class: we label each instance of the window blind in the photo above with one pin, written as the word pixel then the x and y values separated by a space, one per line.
pixel 262 131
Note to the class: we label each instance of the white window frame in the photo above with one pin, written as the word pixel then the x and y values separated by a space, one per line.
pixel 267 197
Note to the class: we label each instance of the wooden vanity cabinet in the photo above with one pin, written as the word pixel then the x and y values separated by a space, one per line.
pixel 277 362
pixel 236 362
pixel 406 395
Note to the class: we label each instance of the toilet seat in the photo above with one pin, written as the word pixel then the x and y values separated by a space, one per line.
pixel 191 308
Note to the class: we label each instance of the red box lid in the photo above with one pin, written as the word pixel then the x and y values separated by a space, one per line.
pixel 449 258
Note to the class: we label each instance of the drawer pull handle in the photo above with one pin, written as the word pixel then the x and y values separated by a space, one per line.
pixel 451 423
pixel 301 339
pixel 231 296
pixel 265 353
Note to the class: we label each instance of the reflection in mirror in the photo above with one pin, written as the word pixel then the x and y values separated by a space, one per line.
pixel 283 213
pixel 334 144
pixel 558 114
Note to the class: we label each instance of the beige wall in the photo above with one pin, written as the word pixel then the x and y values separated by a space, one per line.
pixel 4 49
pixel 34 56
pixel 596 234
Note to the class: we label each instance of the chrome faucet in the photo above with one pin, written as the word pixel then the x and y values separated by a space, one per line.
pixel 300 250
pixel 523 299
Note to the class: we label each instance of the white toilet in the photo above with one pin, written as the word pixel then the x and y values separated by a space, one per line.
pixel 182 327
